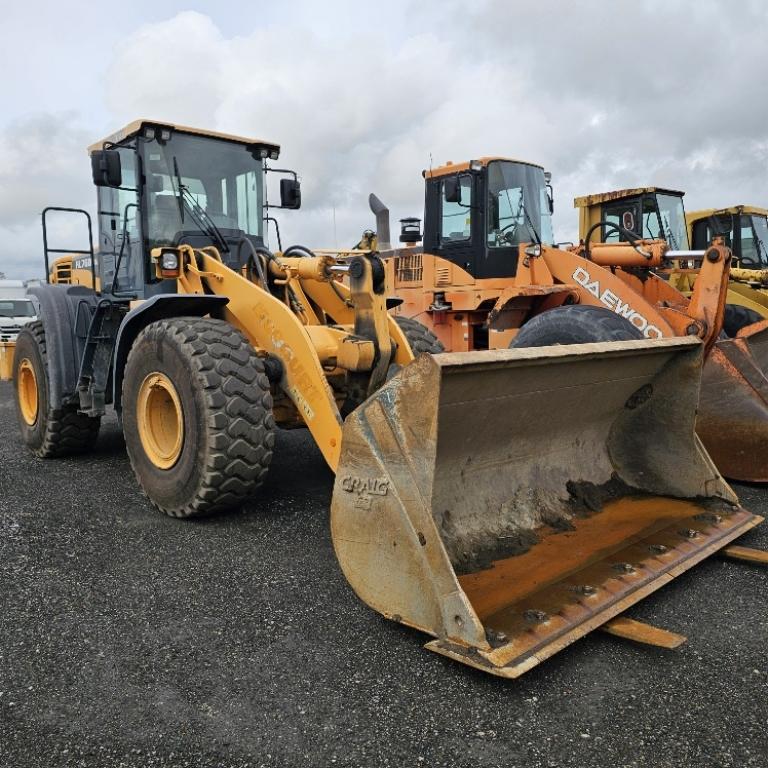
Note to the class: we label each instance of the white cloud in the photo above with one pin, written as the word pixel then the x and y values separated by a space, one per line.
pixel 604 95
pixel 42 162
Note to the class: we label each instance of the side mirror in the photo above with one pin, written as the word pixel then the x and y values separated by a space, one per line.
pixel 105 166
pixel 290 194
pixel 452 190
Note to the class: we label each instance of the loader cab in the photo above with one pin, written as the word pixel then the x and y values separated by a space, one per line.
pixel 166 185
pixel 478 213
pixel 744 229
pixel 648 212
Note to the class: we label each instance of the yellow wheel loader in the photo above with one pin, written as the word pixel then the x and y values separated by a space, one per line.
pixel 75 270
pixel 733 410
pixel 506 502
pixel 745 229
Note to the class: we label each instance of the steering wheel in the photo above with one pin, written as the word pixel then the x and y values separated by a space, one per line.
pixel 509 236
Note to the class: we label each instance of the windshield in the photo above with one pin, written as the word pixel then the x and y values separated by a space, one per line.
pixel 518 205
pixel 16 308
pixel 197 185
pixel 754 241
pixel 666 220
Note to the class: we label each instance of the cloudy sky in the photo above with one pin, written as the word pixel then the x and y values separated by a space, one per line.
pixel 362 95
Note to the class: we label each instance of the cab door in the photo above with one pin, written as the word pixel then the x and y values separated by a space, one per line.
pixel 121 249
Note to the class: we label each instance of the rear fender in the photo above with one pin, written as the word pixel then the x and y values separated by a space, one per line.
pixel 65 332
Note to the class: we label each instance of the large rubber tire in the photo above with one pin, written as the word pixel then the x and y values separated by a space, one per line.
pixel 55 432
pixel 419 336
pixel 738 317
pixel 226 406
pixel 575 324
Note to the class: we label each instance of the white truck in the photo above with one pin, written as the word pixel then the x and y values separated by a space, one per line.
pixel 16 310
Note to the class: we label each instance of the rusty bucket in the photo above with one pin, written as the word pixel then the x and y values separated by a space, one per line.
pixel 508 502
pixel 733 408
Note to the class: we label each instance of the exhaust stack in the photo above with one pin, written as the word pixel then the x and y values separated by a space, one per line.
pixel 382 222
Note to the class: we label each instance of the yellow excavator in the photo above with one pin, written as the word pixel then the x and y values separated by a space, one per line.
pixel 505 502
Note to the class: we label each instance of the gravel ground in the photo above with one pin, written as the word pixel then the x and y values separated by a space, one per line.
pixel 129 639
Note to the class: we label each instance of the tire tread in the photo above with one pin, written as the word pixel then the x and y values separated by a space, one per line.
pixel 419 336
pixel 67 432
pixel 239 432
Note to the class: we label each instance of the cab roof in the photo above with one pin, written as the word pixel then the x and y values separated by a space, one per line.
pixel 450 168
pixel 606 197
pixel 705 213
pixel 135 127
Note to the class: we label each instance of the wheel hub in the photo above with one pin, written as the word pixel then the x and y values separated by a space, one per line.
pixel 160 420
pixel 29 402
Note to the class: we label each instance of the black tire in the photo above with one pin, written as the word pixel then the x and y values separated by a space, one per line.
pixel 228 427
pixel 575 324
pixel 738 317
pixel 419 336
pixel 55 432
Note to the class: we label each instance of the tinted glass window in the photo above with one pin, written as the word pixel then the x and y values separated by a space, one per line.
pixel 457 217
pixel 196 184
pixel 119 230
pixel 518 205
pixel 624 214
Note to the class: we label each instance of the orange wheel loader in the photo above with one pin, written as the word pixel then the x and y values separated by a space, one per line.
pixel 486 277
pixel 505 502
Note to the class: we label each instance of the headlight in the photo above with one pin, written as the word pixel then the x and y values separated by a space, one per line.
pixel 533 250
pixel 169 261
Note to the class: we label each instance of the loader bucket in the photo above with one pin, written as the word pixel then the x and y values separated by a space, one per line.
pixel 508 502
pixel 733 409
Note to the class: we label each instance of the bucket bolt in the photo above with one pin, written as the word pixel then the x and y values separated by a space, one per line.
pixel 536 617
pixel 624 568
pixel 658 549
pixel 496 638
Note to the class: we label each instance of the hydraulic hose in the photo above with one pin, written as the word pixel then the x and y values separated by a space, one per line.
pixel 299 250
pixel 254 258
pixel 631 236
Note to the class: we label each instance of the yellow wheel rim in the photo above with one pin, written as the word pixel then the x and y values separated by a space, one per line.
pixel 160 420
pixel 29 402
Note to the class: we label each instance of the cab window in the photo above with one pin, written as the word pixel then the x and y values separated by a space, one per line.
pixel 624 214
pixel 457 217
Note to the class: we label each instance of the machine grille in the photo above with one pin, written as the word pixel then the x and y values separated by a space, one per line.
pixel 409 268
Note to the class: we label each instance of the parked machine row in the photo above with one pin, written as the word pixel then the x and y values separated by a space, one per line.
pixel 506 501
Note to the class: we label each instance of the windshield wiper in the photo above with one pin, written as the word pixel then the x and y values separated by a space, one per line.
pixel 760 246
pixel 179 198
pixel 671 239
pixel 202 217
pixel 531 228
pixel 204 220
